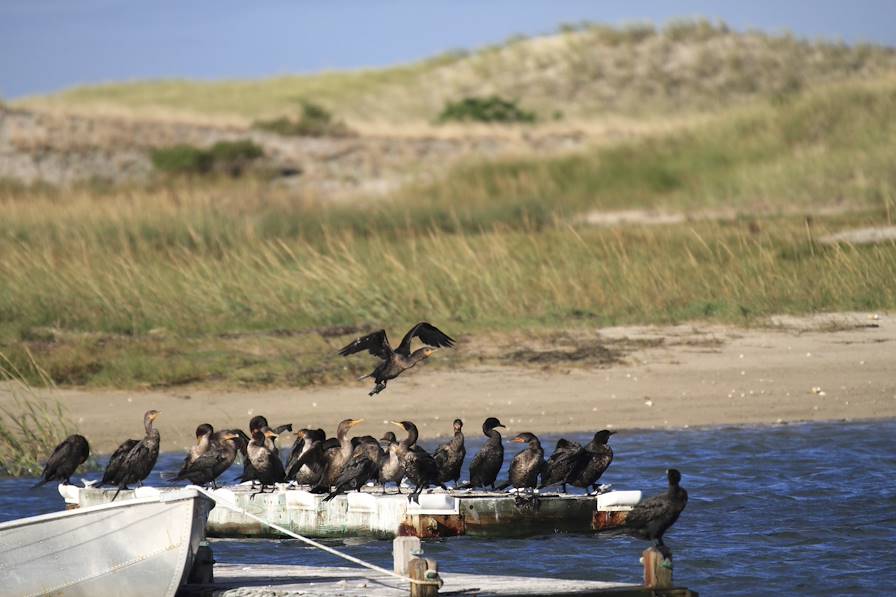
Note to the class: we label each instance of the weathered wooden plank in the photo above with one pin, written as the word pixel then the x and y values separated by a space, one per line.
pixel 257 581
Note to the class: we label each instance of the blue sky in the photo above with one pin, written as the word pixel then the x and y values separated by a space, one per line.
pixel 52 44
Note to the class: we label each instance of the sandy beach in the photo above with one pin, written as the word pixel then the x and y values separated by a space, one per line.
pixel 828 367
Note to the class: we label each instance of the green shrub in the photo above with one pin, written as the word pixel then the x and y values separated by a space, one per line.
pixel 181 159
pixel 231 157
pixel 314 121
pixel 485 109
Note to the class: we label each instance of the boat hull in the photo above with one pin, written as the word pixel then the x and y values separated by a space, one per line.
pixel 142 546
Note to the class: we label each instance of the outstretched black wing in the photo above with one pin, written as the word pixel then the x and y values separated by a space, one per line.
pixel 428 334
pixel 376 343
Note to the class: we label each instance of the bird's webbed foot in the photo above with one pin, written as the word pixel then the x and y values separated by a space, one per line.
pixel 379 387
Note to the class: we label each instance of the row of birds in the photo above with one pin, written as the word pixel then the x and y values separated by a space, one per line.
pixel 342 463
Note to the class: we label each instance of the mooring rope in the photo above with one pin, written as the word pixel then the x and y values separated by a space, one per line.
pixel 312 542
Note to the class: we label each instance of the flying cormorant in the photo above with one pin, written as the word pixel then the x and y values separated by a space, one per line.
pixel 396 361
pixel 67 457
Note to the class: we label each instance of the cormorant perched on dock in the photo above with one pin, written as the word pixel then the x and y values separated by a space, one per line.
pixel 303 474
pixel 363 466
pixel 398 360
pixel 204 434
pixel 219 454
pixel 259 422
pixel 267 468
pixel 68 456
pixel 419 466
pixel 527 464
pixel 450 456
pixel 564 464
pixel 391 469
pixel 652 517
pixel 313 463
pixel 133 464
pixel 488 461
pixel 337 456
pixel 598 456
pixel 231 441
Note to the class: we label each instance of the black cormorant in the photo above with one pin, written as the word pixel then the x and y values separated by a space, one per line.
pixel 363 466
pixel 391 469
pixel 450 456
pixel 564 464
pixel 488 461
pixel 598 456
pixel 67 457
pixel 338 456
pixel 217 457
pixel 419 466
pixel 527 464
pixel 396 361
pixel 305 439
pixel 267 468
pixel 652 517
pixel 134 465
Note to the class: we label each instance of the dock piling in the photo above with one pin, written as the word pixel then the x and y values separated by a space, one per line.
pixel 657 567
pixel 403 549
pixel 425 570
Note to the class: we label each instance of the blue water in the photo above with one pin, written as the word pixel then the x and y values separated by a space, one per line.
pixel 792 509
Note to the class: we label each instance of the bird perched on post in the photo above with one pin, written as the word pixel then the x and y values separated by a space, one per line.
pixel 68 456
pixel 651 518
pixel 398 360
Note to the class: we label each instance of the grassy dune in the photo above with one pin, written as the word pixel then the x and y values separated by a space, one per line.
pixel 242 284
pixel 584 72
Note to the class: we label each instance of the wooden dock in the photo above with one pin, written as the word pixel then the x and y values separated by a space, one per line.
pixel 266 581
pixel 371 513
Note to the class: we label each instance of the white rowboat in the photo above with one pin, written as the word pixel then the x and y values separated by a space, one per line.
pixel 142 546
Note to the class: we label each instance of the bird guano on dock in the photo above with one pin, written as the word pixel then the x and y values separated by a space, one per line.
pixel 374 514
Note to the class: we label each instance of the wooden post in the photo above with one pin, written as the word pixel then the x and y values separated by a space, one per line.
pixel 420 569
pixel 657 568
pixel 203 570
pixel 403 549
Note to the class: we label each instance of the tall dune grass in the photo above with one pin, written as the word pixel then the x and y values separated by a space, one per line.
pixel 31 425
pixel 139 286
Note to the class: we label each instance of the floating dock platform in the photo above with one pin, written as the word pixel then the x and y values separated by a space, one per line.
pixel 265 581
pixel 371 513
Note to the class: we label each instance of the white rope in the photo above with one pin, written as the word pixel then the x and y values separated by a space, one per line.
pixel 311 542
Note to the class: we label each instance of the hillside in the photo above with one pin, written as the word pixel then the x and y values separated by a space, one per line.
pixel 580 74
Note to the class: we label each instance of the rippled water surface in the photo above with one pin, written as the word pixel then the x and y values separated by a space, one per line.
pixel 794 509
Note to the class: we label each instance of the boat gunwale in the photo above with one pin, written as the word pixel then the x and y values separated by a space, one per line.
pixel 180 495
